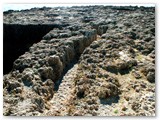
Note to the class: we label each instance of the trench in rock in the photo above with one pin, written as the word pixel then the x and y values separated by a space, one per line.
pixel 68 67
pixel 18 38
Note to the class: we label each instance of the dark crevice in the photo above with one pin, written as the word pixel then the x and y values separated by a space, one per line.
pixel 68 67
pixel 110 100
pixel 115 70
pixel 80 94
pixel 17 40
pixel 125 71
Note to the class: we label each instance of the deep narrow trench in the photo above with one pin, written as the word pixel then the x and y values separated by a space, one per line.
pixel 18 38
pixel 69 66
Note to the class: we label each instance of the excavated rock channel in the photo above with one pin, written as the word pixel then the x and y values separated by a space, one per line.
pixel 65 71
pixel 40 70
pixel 100 63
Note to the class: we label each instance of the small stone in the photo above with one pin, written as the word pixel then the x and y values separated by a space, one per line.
pixel 124 108
pixel 12 86
pixel 53 60
pixel 151 77
pixel 28 79
pixel 46 73
pixel 126 97
pixel 136 74
pixel 143 85
pixel 145 107
pixel 137 89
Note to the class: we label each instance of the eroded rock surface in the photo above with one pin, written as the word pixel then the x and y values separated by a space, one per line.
pixel 115 72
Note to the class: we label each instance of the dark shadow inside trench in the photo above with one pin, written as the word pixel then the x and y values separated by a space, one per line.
pixel 68 67
pixel 17 39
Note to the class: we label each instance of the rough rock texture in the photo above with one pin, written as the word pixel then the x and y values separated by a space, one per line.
pixel 17 40
pixel 115 72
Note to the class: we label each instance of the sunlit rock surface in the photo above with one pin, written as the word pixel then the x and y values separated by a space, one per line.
pixel 79 61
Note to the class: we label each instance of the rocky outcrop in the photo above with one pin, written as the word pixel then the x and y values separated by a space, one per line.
pixel 43 64
pixel 86 61
pixel 105 82
pixel 17 40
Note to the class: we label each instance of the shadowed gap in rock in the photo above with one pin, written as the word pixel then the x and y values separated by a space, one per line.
pixel 68 67
pixel 17 40
pixel 110 100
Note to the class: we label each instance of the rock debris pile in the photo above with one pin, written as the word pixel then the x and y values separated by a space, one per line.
pixel 115 72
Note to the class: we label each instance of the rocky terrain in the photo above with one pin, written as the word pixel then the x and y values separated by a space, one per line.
pixel 85 61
